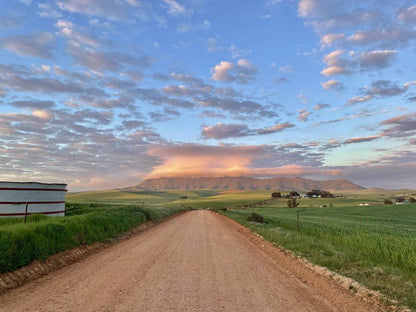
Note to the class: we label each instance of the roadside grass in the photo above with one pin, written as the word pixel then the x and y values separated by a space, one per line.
pixel 84 223
pixel 375 245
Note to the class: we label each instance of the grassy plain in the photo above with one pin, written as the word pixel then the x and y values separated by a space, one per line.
pixel 375 245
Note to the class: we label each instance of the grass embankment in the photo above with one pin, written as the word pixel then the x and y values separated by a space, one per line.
pixel 375 245
pixel 43 236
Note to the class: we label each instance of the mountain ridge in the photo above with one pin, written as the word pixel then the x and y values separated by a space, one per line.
pixel 246 183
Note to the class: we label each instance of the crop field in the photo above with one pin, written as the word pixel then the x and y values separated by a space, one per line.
pixel 375 245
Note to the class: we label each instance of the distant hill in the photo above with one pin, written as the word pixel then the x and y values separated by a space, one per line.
pixel 245 183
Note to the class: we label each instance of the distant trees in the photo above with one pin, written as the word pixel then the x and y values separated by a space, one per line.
pixel 387 202
pixel 293 194
pixel 276 195
pixel 313 193
pixel 326 194
pixel 292 203
pixel 399 200
pixel 319 193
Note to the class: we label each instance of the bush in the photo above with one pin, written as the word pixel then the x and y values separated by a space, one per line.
pixel 276 195
pixel 387 202
pixel 292 203
pixel 255 217
pixel 412 200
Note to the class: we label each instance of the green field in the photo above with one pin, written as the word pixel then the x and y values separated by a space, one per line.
pixel 375 245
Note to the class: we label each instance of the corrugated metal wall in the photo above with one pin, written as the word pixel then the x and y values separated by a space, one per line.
pixel 48 199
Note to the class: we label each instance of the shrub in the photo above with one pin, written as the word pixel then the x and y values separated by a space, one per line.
pixel 292 203
pixel 276 195
pixel 412 200
pixel 255 217
pixel 387 202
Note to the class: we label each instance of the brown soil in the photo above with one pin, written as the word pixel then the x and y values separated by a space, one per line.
pixel 198 261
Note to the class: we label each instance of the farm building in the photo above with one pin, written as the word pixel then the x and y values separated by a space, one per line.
pixel 17 198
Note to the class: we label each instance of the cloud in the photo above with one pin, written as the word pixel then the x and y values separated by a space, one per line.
pixel 321 106
pixel 113 9
pixel 318 8
pixel 174 8
pixel 398 166
pixel 359 99
pixel 237 52
pixel 407 15
pixel 9 23
pixel 336 64
pixel 47 85
pixel 190 160
pixel 42 114
pixel 68 30
pixel 281 80
pixel 381 88
pixel 285 68
pixel 242 72
pixel 223 131
pixel 276 128
pixel 376 59
pixel 33 104
pixel 71 146
pixel 39 44
pixel 361 139
pixel 334 70
pixel 328 39
pixel 238 108
pixel 401 126
pixel 102 60
pixel 391 36
pixel 332 85
pixel 303 115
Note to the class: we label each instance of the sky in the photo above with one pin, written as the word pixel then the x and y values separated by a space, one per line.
pixel 102 94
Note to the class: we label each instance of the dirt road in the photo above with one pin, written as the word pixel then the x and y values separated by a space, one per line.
pixel 198 261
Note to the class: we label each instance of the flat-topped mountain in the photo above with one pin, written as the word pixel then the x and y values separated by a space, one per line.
pixel 246 183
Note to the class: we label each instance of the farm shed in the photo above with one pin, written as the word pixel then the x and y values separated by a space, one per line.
pixel 43 198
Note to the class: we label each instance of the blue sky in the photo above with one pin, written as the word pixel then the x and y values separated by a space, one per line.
pixel 104 93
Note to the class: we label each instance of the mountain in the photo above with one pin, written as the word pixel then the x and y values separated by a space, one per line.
pixel 246 183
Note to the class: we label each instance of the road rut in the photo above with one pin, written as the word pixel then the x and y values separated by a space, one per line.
pixel 198 261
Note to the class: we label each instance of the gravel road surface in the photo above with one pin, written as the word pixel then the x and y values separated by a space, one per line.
pixel 197 261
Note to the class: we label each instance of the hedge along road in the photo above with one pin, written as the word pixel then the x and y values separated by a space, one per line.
pixel 198 261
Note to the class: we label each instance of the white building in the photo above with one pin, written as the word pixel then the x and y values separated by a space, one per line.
pixel 43 198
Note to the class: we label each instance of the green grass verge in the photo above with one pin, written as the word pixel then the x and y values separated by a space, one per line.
pixel 43 236
pixel 375 245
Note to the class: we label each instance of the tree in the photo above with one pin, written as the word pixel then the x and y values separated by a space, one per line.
pixel 276 195
pixel 326 194
pixel 399 199
pixel 293 194
pixel 412 200
pixel 387 202
pixel 292 203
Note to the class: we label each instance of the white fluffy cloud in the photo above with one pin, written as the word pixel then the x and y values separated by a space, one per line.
pixel 242 72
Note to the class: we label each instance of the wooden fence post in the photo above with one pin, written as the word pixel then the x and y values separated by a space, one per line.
pixel 27 204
